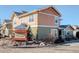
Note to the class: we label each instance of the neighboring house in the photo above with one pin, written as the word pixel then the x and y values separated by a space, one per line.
pixel 6 27
pixel 76 31
pixel 76 27
pixel 44 23
pixel 0 28
pixel 66 31
pixel 0 31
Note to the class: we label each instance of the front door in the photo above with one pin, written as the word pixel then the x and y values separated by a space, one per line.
pixel 54 33
pixel 59 34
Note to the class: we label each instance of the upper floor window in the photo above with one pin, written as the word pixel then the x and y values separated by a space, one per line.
pixel 31 18
pixel 14 23
pixel 22 21
pixel 56 20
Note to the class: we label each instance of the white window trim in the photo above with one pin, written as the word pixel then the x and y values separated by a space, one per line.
pixel 32 17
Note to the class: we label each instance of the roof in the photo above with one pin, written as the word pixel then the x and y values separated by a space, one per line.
pixel 23 13
pixel 75 26
pixel 20 13
pixel 17 13
pixel 7 20
pixel 22 26
pixel 55 9
pixel 66 26
pixel 63 26
pixel 0 25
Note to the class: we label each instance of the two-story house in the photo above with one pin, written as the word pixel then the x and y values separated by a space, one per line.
pixel 44 23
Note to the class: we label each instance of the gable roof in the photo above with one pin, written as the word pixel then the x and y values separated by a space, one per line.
pixel 7 20
pixel 0 25
pixel 21 26
pixel 75 26
pixel 24 13
pixel 65 26
pixel 41 10
pixel 52 7
pixel 17 13
pixel 20 13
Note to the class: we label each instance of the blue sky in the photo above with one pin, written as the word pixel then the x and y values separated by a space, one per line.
pixel 70 13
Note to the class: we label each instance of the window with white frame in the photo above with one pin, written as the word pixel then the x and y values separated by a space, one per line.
pixel 56 18
pixel 14 21
pixel 21 21
pixel 31 18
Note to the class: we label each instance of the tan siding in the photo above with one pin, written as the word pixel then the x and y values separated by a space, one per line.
pixel 26 20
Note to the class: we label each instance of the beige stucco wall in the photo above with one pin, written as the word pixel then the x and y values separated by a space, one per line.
pixel 34 31
pixel 17 21
pixel 26 20
pixel 33 24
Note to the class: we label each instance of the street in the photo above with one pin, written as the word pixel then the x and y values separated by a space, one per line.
pixel 72 47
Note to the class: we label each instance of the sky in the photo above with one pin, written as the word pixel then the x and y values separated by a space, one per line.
pixel 70 13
